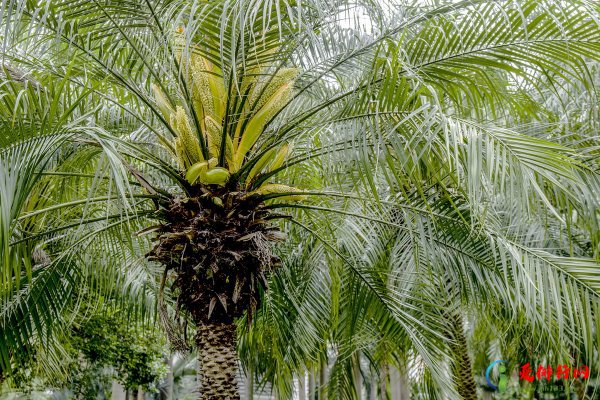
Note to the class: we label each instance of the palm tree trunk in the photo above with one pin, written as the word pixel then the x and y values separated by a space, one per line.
pixel 170 379
pixel 383 383
pixel 462 367
pixel 302 385
pixel 323 380
pixel 399 384
pixel 249 384
pixel 358 381
pixel 217 355
pixel 373 388
pixel 312 387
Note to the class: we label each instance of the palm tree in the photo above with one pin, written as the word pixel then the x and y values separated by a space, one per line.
pixel 192 123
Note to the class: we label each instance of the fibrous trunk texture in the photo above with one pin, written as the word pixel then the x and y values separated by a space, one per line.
pixel 219 250
pixel 216 249
pixel 462 367
pixel 217 355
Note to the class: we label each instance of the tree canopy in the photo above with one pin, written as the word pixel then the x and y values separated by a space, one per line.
pixel 400 175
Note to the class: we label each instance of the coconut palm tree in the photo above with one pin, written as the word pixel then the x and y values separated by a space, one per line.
pixel 194 134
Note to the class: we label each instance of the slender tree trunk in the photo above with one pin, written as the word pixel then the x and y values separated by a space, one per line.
pixel 400 386
pixel 312 387
pixel 395 383
pixel 462 368
pixel 217 355
pixel 405 389
pixel 302 385
pixel 373 387
pixel 383 383
pixel 249 384
pixel 170 379
pixel 323 381
pixel 358 381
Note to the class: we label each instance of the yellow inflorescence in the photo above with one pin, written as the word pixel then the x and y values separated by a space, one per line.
pixel 266 97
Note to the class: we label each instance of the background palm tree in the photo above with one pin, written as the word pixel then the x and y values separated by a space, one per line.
pixel 426 142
